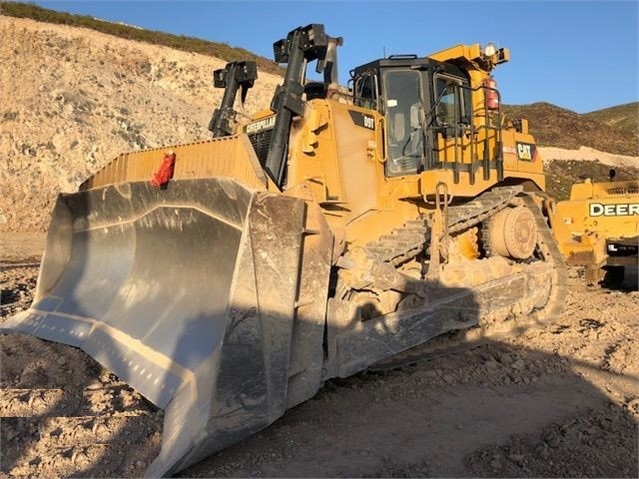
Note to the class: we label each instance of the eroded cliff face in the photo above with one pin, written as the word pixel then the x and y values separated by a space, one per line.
pixel 73 99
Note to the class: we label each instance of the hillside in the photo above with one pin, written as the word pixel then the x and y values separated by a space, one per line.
pixel 612 130
pixel 624 118
pixel 128 32
pixel 79 97
pixel 562 173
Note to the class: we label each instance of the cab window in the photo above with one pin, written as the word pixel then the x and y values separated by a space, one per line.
pixel 366 91
pixel 453 101
pixel 405 145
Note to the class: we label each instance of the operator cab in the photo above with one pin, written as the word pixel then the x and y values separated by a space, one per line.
pixel 419 99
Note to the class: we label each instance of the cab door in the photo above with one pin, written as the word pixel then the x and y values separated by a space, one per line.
pixel 404 122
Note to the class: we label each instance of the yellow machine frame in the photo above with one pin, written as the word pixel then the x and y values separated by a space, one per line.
pixel 598 219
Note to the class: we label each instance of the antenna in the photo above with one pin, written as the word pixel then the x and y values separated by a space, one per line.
pixel 384 51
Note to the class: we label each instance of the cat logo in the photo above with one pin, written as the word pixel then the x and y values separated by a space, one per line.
pixel 260 125
pixel 526 151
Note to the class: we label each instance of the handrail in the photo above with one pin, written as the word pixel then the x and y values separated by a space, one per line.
pixel 492 151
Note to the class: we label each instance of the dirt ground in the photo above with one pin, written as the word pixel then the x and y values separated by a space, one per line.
pixel 558 402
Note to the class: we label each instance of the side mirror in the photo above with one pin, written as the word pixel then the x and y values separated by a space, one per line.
pixel 612 173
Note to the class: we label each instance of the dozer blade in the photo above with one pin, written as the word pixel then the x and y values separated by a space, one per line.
pixel 188 294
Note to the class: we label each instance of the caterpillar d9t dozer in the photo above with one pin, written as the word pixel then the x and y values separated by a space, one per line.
pixel 333 231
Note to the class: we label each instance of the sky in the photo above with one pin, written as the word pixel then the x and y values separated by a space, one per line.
pixel 580 55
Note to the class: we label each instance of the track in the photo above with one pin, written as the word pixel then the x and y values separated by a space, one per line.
pixel 403 244
pixel 405 248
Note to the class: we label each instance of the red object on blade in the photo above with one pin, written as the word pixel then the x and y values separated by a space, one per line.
pixel 165 173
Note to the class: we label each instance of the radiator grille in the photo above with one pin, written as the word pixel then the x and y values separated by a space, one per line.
pixel 261 140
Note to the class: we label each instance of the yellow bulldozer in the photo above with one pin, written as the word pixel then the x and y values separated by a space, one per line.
pixel 598 227
pixel 227 280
